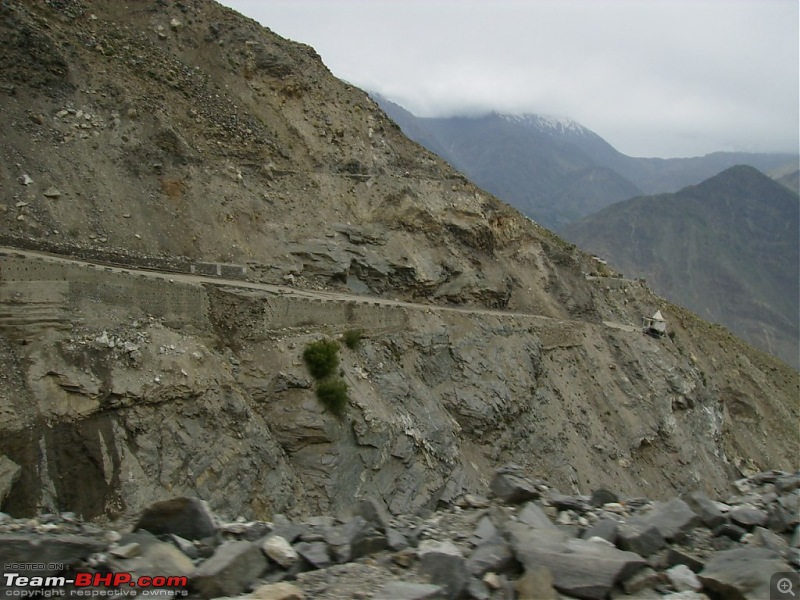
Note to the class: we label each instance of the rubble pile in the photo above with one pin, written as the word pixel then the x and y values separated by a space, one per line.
pixel 526 540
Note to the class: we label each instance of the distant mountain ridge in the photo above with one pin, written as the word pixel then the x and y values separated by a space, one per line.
pixel 727 248
pixel 555 170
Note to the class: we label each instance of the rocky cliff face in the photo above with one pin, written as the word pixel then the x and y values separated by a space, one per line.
pixel 180 134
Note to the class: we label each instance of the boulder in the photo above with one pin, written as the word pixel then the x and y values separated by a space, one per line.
pixel 373 511
pixel 562 502
pixel 706 509
pixel 580 568
pixel 485 530
pixel 601 497
pixel 152 558
pixel 395 539
pixel 729 530
pixel 354 539
pixel 188 518
pixel 748 516
pixel 641 580
pixel 512 488
pixel 287 529
pixel 604 528
pixel 741 573
pixel 533 515
pixel 764 538
pixel 316 553
pixel 640 538
pixel 682 556
pixel 682 579
pixel 780 520
pixel 444 565
pixel 279 550
pixel 672 519
pixel 494 555
pixel 400 590
pixel 230 571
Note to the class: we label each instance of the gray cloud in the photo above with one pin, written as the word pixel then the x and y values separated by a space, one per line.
pixel 654 77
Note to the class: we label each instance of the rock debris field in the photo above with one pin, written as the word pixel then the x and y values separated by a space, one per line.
pixel 523 540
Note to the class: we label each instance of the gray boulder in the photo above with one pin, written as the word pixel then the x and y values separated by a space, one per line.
pixel 641 538
pixel 682 579
pixel 316 553
pixel 606 529
pixel 279 550
pixel 533 515
pixel 706 509
pixel 601 497
pixel 741 573
pixel 444 565
pixel 188 518
pixel 233 568
pixel 512 488
pixel 672 518
pixel 494 555
pixel 748 517
pixel 580 568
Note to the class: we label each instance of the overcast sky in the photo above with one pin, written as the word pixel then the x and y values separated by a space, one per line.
pixel 653 77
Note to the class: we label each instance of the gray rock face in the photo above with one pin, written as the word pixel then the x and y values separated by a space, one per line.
pixel 230 571
pixel 742 573
pixel 188 518
pixel 9 474
pixel 580 568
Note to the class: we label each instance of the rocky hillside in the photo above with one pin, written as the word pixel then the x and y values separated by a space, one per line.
pixel 727 248
pixel 185 142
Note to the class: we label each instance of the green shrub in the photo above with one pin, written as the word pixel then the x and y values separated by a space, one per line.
pixel 352 338
pixel 322 358
pixel 333 395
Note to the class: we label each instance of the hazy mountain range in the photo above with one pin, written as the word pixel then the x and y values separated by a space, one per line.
pixel 727 248
pixel 555 170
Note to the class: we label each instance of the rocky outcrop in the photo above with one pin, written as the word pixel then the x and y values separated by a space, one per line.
pixel 479 548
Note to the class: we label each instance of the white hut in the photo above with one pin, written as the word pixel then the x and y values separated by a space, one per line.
pixel 655 324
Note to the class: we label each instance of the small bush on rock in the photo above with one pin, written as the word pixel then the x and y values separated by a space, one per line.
pixel 322 358
pixel 333 395
pixel 352 338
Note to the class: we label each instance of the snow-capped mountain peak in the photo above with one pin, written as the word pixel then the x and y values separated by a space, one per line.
pixel 550 123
